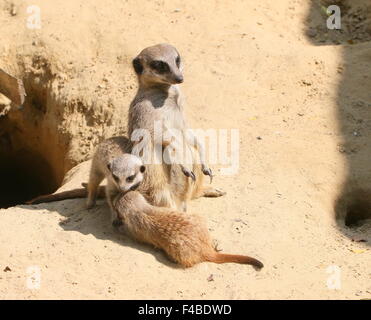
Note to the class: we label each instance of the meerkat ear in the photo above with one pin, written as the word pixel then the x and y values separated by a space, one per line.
pixel 137 64
pixel 142 169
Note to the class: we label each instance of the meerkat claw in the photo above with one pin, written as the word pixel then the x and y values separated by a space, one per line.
pixel 117 223
pixel 208 172
pixel 193 176
pixel 189 174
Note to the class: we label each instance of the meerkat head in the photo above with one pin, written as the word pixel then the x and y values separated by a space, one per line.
pixel 159 64
pixel 127 172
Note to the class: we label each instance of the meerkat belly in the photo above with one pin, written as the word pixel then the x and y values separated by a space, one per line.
pixel 156 188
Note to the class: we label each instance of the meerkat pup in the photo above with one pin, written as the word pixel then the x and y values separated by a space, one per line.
pixel 122 170
pixel 159 101
pixel 111 161
pixel 184 237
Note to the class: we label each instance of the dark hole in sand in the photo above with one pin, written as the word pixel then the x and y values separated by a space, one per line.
pixel 23 175
pixel 358 208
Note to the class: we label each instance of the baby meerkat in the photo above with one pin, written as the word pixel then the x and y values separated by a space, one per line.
pixel 184 237
pixel 159 101
pixel 123 170
pixel 112 161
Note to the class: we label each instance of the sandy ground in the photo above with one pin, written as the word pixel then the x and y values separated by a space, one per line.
pixel 248 66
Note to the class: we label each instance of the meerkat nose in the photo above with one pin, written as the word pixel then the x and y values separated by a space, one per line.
pixel 179 79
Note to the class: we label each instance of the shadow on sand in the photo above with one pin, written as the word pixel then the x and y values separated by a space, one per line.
pixel 97 222
pixel 353 205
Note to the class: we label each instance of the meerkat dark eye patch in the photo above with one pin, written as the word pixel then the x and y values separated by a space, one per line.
pixel 116 178
pixel 177 61
pixel 159 66
pixel 130 179
pixel 137 66
pixel 142 169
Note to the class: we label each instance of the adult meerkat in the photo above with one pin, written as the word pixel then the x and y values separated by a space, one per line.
pixel 158 100
pixel 184 237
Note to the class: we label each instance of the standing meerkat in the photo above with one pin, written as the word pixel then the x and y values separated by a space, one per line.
pixel 184 237
pixel 159 100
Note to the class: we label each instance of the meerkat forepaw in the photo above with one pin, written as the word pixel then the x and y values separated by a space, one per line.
pixel 208 172
pixel 189 173
pixel 117 223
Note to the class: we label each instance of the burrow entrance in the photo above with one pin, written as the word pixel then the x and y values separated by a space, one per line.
pixel 32 152
pixel 354 208
pixel 24 174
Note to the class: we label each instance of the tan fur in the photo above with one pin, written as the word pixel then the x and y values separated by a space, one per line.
pixel 113 161
pixel 107 151
pixel 184 237
pixel 70 194
pixel 159 99
pixel 104 154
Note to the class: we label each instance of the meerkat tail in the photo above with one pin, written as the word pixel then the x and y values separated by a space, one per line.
pixel 71 194
pixel 235 258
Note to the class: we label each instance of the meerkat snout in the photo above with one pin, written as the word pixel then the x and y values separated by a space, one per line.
pixel 159 64
pixel 127 172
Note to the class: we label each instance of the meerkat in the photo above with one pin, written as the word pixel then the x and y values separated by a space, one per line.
pixel 112 161
pixel 184 237
pixel 158 99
